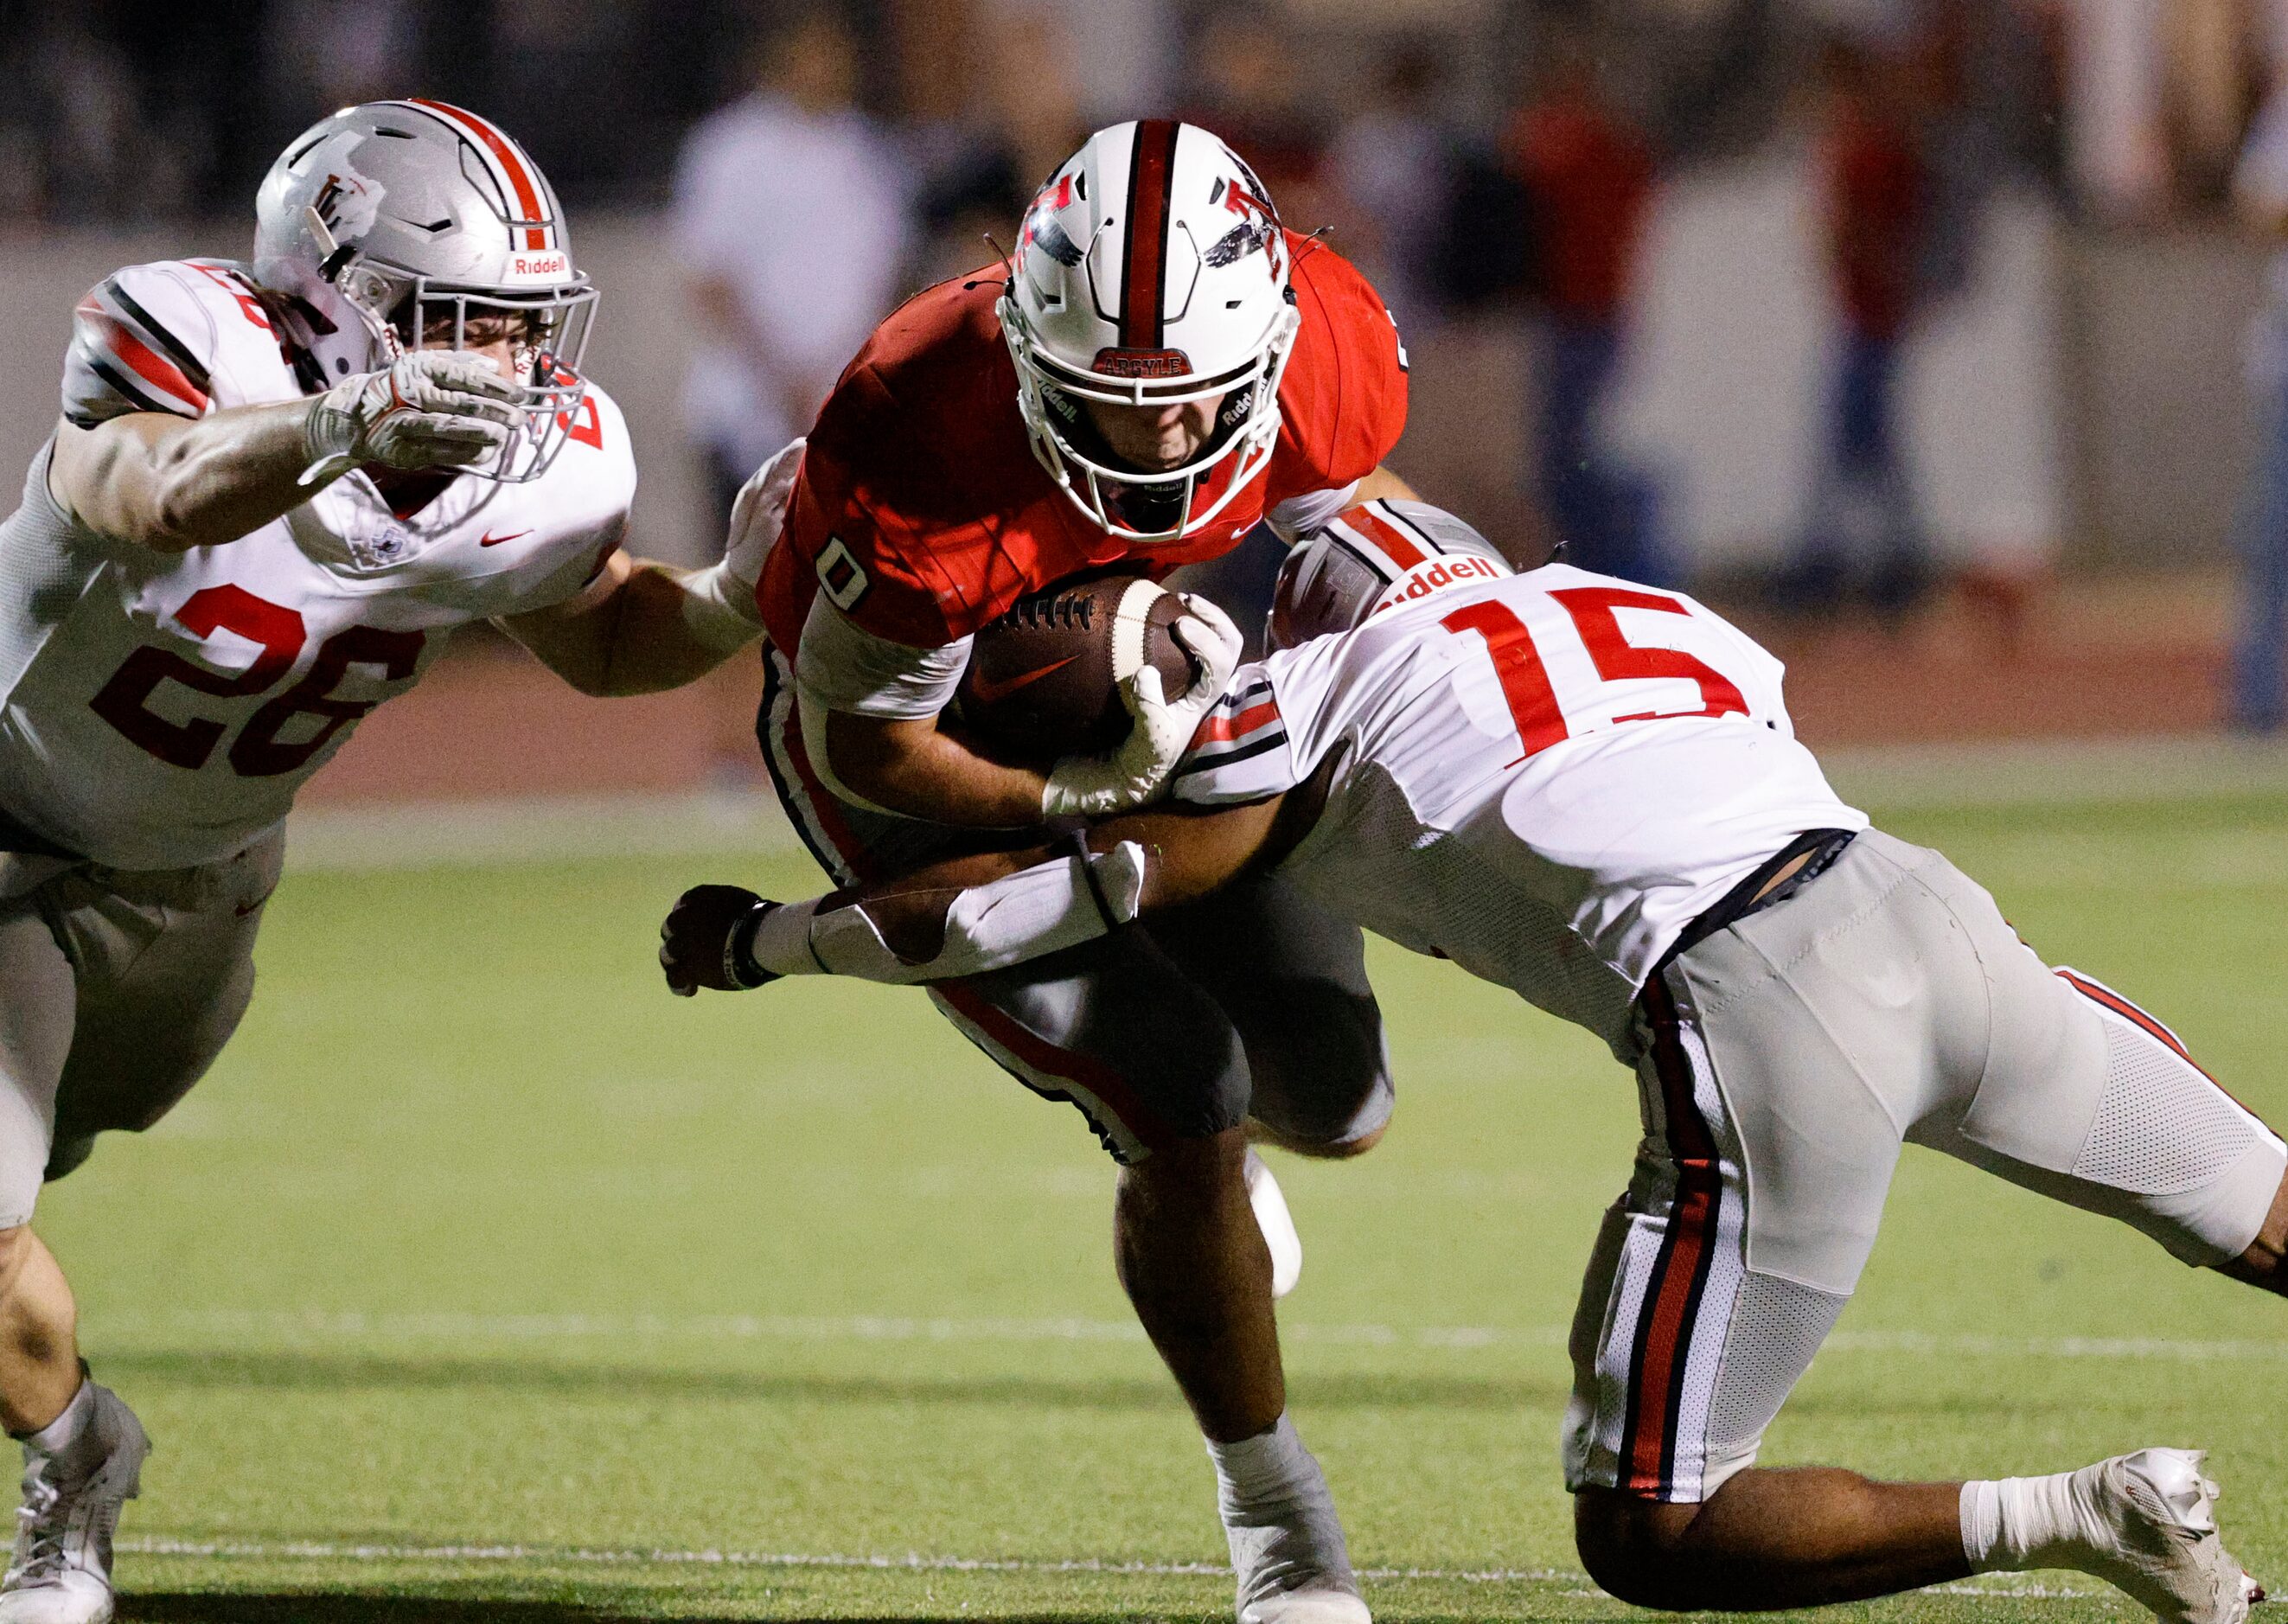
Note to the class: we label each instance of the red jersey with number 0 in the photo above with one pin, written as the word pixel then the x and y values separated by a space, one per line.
pixel 1544 778
pixel 922 508
pixel 159 710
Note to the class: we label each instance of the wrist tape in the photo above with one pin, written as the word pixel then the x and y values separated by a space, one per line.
pixel 718 609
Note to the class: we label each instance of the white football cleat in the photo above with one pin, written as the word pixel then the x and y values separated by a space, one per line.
pixel 61 1570
pixel 2152 1517
pixel 1289 1559
pixel 1277 1224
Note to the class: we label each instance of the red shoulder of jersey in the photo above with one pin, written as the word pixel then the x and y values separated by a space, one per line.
pixel 1344 397
pixel 919 443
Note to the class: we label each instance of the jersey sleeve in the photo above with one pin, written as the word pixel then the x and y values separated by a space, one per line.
pixel 844 667
pixel 1343 400
pixel 850 518
pixel 143 339
pixel 1242 750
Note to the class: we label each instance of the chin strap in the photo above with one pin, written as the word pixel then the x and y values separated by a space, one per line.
pixel 1041 909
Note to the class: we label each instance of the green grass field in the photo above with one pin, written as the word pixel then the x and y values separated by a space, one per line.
pixel 484 1280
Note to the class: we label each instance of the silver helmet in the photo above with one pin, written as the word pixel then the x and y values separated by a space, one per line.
pixel 1372 557
pixel 386 220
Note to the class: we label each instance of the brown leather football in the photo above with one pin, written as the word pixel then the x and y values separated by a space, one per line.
pixel 1043 679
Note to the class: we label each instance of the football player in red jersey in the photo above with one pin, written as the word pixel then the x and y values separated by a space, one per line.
pixel 1159 368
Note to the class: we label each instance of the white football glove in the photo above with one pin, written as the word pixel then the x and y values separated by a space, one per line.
pixel 1093 786
pixel 719 605
pixel 760 514
pixel 434 408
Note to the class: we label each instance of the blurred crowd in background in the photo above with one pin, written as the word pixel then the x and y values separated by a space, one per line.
pixel 820 158
pixel 138 109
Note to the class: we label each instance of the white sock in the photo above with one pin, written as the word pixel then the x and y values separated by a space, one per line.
pixel 2012 1524
pixel 1271 1468
pixel 70 1433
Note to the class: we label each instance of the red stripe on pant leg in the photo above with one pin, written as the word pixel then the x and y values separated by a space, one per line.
pixel 1100 1081
pixel 1680 1273
pixel 2106 997
pixel 823 804
pixel 1143 295
pixel 2120 1006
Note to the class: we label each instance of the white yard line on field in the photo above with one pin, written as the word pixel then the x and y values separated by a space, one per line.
pixel 132 1325
pixel 553 830
pixel 300 1550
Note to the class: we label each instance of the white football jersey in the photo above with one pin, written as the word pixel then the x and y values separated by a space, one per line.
pixel 1545 778
pixel 159 710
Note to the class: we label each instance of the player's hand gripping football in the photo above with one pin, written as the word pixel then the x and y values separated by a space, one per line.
pixel 434 408
pixel 1095 786
pixel 708 940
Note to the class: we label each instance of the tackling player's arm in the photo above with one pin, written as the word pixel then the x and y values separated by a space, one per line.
pixel 174 482
pixel 971 914
pixel 1382 482
pixel 641 626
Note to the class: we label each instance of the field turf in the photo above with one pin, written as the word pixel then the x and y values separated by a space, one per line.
pixel 484 1280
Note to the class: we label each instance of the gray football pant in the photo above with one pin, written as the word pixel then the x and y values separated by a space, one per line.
pixel 1783 1062
pixel 117 990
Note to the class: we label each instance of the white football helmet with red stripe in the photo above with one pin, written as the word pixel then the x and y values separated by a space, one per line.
pixel 1373 557
pixel 392 215
pixel 1150 270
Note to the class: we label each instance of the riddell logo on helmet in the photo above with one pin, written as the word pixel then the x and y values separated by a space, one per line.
pixel 1424 579
pixel 539 264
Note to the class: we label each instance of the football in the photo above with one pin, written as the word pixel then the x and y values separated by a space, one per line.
pixel 1043 679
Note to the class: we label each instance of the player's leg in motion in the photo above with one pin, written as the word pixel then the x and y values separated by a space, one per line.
pixel 1777 1081
pixel 1119 1031
pixel 1292 979
pixel 116 994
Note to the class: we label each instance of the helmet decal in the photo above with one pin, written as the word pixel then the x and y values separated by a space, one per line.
pixel 348 202
pixel 1042 227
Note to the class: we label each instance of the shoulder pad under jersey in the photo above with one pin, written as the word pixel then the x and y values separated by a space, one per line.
pixel 171 336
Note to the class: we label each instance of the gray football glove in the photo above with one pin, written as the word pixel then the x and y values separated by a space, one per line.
pixel 434 408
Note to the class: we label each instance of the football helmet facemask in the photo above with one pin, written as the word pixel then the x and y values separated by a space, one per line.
pixel 1151 270
pixel 394 224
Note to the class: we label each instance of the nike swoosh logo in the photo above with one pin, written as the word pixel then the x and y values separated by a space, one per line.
pixel 991 692
pixel 494 541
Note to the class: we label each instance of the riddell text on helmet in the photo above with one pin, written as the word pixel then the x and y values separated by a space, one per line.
pixel 1424 579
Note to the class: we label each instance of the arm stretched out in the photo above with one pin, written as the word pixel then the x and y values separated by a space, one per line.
pixel 970 914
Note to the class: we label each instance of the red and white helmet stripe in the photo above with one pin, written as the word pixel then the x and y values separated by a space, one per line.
pixel 515 173
pixel 1372 557
pixel 1144 279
